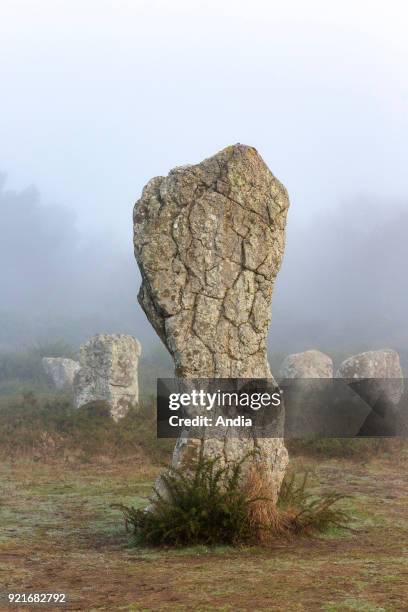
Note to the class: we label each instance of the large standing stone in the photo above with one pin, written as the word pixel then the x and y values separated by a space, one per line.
pixel 60 371
pixel 108 372
pixel 309 364
pixel 209 241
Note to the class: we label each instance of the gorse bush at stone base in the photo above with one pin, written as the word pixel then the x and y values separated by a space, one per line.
pixel 205 506
pixel 214 505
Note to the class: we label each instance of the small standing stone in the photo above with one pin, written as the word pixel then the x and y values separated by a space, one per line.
pixel 109 364
pixel 60 371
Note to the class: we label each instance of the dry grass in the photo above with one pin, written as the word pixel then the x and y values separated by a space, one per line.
pixel 263 514
pixel 297 512
pixel 57 531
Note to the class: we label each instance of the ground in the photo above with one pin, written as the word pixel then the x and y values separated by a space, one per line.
pixel 59 534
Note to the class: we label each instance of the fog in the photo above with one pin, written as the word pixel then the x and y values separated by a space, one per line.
pixel 98 97
pixel 342 284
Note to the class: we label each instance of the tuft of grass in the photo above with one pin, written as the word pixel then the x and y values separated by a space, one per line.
pixel 220 505
pixel 304 513
pixel 263 514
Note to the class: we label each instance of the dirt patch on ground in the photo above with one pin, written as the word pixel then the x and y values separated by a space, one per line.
pixel 59 534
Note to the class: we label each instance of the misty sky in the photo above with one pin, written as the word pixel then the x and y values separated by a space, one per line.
pixel 97 97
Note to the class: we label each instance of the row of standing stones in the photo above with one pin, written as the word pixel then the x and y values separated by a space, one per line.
pixel 209 240
pixel 384 363
pixel 108 370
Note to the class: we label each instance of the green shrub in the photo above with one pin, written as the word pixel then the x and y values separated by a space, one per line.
pixel 205 506
pixel 214 505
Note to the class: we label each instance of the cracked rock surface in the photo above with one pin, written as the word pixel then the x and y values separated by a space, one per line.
pixel 108 372
pixel 209 240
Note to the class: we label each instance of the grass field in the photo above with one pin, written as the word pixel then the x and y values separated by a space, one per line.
pixel 59 534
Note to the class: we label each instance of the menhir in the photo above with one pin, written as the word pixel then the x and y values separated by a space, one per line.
pixel 209 241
